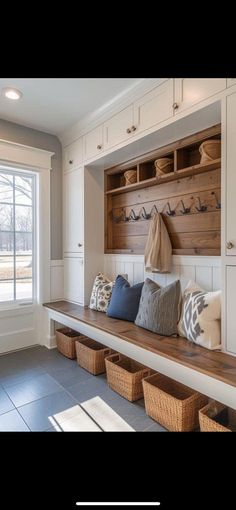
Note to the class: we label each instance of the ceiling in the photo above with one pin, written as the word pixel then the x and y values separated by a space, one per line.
pixel 56 104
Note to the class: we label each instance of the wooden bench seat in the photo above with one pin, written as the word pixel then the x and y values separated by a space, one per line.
pixel 214 364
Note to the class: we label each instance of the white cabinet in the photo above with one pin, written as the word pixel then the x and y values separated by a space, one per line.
pixel 73 205
pixel 119 128
pixel 231 175
pixel 73 155
pixel 93 143
pixel 189 91
pixel 230 309
pixel 74 279
pixel 231 81
pixel 154 107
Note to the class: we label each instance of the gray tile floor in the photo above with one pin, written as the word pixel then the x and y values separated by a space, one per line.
pixel 37 383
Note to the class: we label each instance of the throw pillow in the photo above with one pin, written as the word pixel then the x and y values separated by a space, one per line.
pixel 159 308
pixel 200 317
pixel 101 293
pixel 124 300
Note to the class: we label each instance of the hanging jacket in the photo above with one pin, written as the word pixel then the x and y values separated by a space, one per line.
pixel 158 251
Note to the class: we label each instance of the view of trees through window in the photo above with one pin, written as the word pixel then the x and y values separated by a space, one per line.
pixel 16 236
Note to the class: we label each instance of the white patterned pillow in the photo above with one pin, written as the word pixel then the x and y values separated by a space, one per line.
pixel 200 320
pixel 101 293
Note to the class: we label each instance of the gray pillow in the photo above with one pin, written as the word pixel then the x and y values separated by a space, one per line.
pixel 159 307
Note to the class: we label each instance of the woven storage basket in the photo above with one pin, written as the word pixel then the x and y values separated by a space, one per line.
pixel 172 404
pixel 210 150
pixel 125 375
pixel 66 338
pixel 130 177
pixel 91 355
pixel 163 166
pixel 216 417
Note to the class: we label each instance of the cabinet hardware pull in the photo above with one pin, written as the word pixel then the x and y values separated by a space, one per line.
pixel 128 130
pixel 175 106
pixel 229 245
pixel 79 245
pixel 133 128
pixel 71 161
pixel 99 146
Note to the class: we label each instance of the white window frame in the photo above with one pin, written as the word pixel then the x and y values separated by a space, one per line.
pixel 38 161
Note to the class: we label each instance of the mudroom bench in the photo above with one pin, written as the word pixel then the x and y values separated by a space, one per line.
pixel 210 372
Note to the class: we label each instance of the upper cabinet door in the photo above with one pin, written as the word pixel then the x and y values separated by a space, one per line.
pixel 154 107
pixel 73 155
pixel 93 143
pixel 119 128
pixel 73 211
pixel 231 81
pixel 189 91
pixel 231 175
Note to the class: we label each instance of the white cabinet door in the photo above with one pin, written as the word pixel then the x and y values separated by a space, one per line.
pixel 189 91
pixel 93 143
pixel 74 279
pixel 231 81
pixel 73 211
pixel 154 107
pixel 119 128
pixel 230 309
pixel 73 155
pixel 231 175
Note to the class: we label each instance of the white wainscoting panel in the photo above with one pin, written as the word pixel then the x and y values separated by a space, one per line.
pixel 57 279
pixel 17 328
pixel 206 271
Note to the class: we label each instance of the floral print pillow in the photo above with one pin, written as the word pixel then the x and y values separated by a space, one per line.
pixel 101 293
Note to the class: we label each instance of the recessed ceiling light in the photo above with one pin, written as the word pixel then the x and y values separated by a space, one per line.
pixel 12 93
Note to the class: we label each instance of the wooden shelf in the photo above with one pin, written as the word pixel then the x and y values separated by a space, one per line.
pixel 133 187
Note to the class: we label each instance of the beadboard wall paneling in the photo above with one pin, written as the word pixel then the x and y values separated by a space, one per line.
pixel 57 280
pixel 206 271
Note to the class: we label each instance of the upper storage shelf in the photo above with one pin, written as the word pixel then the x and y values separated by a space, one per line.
pixel 182 159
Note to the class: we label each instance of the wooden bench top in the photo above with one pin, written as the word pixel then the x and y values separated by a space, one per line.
pixel 212 363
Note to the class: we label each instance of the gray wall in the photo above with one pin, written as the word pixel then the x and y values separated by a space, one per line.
pixel 32 137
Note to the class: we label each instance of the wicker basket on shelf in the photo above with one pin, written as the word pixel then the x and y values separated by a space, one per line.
pixel 172 404
pixel 210 150
pixel 91 355
pixel 66 338
pixel 163 166
pixel 125 375
pixel 130 177
pixel 216 417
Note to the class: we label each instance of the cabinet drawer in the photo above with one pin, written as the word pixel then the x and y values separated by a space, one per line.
pixel 154 107
pixel 189 91
pixel 115 129
pixel 93 143
pixel 73 155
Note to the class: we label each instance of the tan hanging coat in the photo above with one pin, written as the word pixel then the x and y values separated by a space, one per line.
pixel 158 251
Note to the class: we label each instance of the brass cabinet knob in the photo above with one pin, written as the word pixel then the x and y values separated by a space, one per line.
pixel 175 106
pixel 133 128
pixel 229 245
pixel 71 161
pixel 128 130
pixel 99 146
pixel 79 245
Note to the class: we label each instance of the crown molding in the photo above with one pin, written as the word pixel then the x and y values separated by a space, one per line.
pixel 116 104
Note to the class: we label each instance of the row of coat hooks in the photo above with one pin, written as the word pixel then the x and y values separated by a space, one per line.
pixel 132 216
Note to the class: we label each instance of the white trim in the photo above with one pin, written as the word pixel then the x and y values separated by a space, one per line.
pixel 183 260
pixel 25 156
pixel 203 383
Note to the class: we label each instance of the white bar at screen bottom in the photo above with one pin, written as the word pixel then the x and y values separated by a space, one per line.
pixel 118 503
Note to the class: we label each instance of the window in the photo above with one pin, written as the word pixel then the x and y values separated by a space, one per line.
pixel 17 232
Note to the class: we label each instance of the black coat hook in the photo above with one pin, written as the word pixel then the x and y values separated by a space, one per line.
pixel 201 208
pixel 185 210
pixel 155 209
pixel 171 212
pixel 133 216
pixel 145 215
pixel 218 204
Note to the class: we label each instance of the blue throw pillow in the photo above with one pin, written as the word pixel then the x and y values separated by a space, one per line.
pixel 125 299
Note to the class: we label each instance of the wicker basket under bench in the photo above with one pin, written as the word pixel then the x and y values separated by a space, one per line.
pixel 66 338
pixel 125 375
pixel 172 404
pixel 216 417
pixel 91 355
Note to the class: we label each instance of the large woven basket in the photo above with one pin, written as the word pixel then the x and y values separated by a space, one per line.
pixel 210 150
pixel 125 375
pixel 91 355
pixel 66 338
pixel 130 177
pixel 172 404
pixel 216 417
pixel 163 166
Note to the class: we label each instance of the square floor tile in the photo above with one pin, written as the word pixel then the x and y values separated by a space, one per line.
pixel 33 389
pixel 12 422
